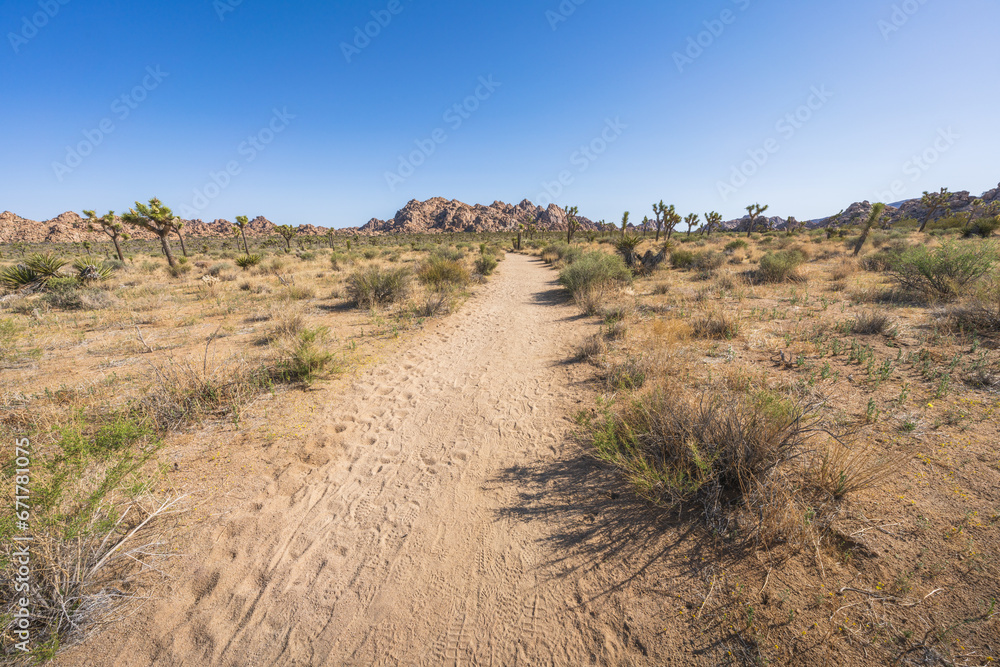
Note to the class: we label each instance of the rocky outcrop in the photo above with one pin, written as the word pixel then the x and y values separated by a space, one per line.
pixel 70 227
pixel 440 215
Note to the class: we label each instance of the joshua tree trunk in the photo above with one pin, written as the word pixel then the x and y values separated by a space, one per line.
pixel 183 247
pixel 118 248
pixel 166 250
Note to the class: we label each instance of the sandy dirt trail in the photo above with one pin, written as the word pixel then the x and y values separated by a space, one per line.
pixel 429 539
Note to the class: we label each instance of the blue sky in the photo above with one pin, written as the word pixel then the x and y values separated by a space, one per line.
pixel 229 107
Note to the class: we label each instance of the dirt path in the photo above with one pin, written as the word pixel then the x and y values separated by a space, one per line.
pixel 431 538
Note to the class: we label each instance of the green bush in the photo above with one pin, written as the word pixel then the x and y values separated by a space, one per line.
pixel 983 228
pixel 681 259
pixel 738 244
pixel 248 261
pixel 776 267
pixel 374 286
pixel 439 273
pixel 486 264
pixel 594 270
pixel 943 272
pixel 306 360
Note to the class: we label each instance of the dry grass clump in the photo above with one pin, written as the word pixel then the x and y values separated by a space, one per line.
pixel 374 286
pixel 716 325
pixel 737 455
pixel 871 323
pixel 778 267
pixel 592 349
pixel 439 273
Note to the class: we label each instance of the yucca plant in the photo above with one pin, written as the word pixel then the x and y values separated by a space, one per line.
pixel 247 261
pixel 36 270
pixel 626 247
pixel 16 277
pixel 88 270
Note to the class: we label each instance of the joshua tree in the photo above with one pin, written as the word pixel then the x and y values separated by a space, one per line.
pixel 755 211
pixel 572 224
pixel 331 236
pixel 178 225
pixel 645 225
pixel 691 220
pixel 87 246
pixel 658 211
pixel 712 220
pixel 877 211
pixel 933 202
pixel 241 223
pixel 155 218
pixel 791 225
pixel 286 232
pixel 625 224
pixel 520 232
pixel 111 227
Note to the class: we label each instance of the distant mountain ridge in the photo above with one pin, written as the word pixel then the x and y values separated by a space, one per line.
pixel 958 202
pixel 439 215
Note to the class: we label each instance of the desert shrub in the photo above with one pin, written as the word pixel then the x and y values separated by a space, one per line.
pixel 592 348
pixel 719 447
pixel 369 253
pixel 682 259
pixel 440 273
pixel 93 528
pixel 486 264
pixel 215 270
pixel 562 252
pixel 449 254
pixel 434 304
pixel 374 286
pixel 844 270
pixel 180 270
pixel 661 289
pixel 871 322
pixel 716 325
pixel 776 267
pixel 306 256
pixel 627 375
pixel 594 271
pixel 300 292
pixel 737 244
pixel 944 272
pixel 306 359
pixel 66 293
pixel 248 261
pixel 983 227
pixel 978 313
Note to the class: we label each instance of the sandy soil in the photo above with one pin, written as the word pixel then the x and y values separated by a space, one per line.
pixel 442 531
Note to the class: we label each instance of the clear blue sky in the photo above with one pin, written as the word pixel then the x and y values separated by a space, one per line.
pixel 678 127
